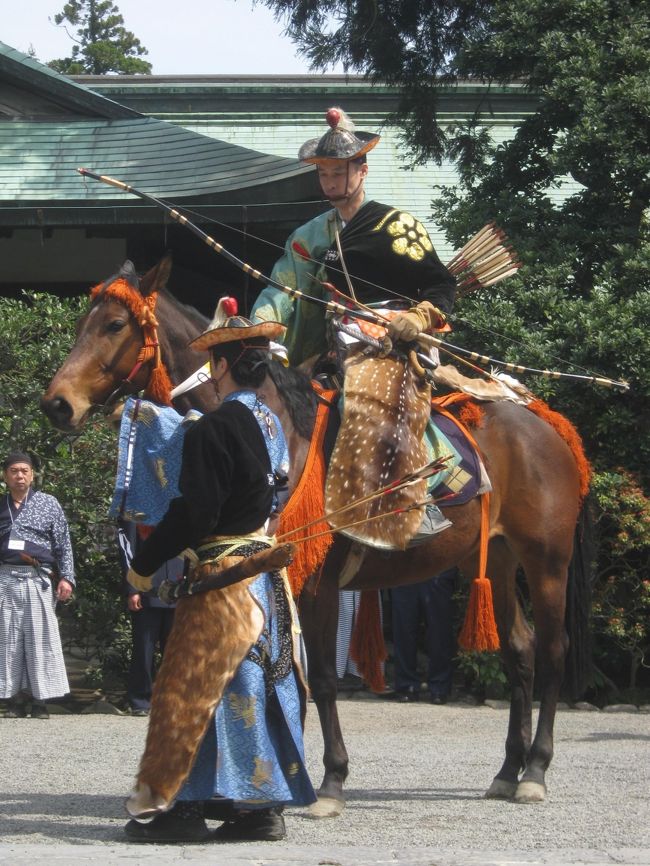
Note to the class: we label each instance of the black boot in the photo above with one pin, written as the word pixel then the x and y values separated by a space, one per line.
pixel 219 809
pixel 39 710
pixel 16 709
pixel 183 823
pixel 260 825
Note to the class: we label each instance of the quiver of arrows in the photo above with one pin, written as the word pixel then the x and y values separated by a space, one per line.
pixel 485 259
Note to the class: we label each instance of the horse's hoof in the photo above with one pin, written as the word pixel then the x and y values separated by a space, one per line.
pixel 326 807
pixel 530 792
pixel 501 790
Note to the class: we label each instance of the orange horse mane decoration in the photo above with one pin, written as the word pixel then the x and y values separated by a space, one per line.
pixel 159 385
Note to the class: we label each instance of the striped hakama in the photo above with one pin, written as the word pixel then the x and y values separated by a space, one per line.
pixel 31 657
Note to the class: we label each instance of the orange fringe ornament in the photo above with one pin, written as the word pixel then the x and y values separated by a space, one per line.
pixel 565 429
pixel 308 502
pixel 470 414
pixel 479 631
pixel 159 386
pixel 367 647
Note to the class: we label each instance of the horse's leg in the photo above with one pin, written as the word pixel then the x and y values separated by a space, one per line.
pixel 547 581
pixel 319 619
pixel 518 654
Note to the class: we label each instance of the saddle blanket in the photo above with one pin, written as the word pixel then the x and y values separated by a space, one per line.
pixel 465 476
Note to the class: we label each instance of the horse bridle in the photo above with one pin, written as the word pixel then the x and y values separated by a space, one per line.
pixel 150 351
pixel 126 388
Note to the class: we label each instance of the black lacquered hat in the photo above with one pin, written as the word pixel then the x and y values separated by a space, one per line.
pixel 343 142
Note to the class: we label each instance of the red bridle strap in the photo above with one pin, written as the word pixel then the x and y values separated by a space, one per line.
pixel 159 386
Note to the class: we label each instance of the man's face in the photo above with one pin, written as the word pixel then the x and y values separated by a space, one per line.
pixel 339 180
pixel 18 478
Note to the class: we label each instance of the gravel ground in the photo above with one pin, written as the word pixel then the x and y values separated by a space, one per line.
pixel 418 774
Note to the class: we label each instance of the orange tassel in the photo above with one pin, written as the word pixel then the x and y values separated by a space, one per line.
pixel 479 631
pixel 367 647
pixel 159 386
pixel 306 503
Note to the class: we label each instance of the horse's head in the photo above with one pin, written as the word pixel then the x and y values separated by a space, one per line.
pixel 104 362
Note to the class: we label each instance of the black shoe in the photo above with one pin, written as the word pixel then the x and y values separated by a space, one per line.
pixel 39 711
pixel 438 700
pixel 183 823
pixel 15 711
pixel 263 825
pixel 140 712
pixel 220 809
pixel 407 696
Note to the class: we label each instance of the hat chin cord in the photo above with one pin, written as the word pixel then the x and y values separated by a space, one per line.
pixel 349 195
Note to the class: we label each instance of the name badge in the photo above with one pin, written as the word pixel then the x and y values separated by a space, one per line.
pixel 16 544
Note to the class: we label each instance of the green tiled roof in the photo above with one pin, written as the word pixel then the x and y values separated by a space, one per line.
pixel 22 71
pixel 161 158
pixel 39 184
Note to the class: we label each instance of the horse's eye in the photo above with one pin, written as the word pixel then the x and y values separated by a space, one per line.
pixel 115 326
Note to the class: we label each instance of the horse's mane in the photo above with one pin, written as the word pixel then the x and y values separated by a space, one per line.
pixel 186 313
pixel 299 398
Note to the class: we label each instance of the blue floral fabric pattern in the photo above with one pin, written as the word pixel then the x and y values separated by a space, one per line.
pixel 253 750
pixel 150 450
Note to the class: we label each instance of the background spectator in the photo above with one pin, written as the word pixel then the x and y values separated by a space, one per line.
pixel 151 622
pixel 36 571
pixel 431 603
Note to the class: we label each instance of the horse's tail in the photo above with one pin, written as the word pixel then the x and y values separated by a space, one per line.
pixel 578 664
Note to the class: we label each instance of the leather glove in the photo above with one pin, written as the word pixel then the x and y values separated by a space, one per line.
pixel 423 317
pixel 138 581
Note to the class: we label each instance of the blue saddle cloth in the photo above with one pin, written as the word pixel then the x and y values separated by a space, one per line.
pixel 462 480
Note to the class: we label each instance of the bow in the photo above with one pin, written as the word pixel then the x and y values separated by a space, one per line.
pixel 332 306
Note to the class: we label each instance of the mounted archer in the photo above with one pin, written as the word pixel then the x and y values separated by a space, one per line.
pixel 385 251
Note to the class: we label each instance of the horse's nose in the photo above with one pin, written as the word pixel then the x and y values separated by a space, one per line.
pixel 59 411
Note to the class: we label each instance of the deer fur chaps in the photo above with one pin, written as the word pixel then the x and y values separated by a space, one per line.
pixel 211 636
pixel 385 413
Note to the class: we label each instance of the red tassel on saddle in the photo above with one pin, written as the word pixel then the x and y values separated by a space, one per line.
pixel 479 631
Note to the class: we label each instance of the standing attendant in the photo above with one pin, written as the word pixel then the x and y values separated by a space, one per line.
pixel 430 602
pixel 386 251
pixel 228 703
pixel 36 571
pixel 151 621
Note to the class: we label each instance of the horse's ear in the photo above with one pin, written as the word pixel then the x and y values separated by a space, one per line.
pixel 127 272
pixel 156 279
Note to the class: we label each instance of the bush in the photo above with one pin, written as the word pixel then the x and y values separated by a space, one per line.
pixel 621 611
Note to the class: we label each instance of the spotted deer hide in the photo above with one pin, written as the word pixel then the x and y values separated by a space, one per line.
pixel 211 636
pixel 385 412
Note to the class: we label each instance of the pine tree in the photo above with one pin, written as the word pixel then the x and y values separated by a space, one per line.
pixel 103 45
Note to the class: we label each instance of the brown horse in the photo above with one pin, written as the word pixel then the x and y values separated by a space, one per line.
pixel 534 515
